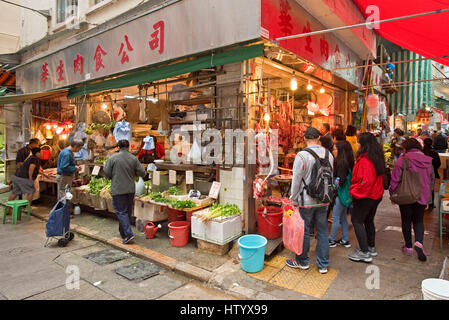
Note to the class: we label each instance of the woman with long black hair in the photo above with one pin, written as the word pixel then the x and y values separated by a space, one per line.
pixel 366 191
pixel 344 163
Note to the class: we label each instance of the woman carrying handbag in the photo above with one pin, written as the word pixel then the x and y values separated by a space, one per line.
pixel 410 188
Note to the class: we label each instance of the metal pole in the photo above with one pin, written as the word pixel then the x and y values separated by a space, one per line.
pixel 404 82
pixel 366 24
pixel 391 62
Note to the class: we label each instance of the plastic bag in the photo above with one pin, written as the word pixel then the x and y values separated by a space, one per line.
pixel 293 229
pixel 99 139
pixel 110 141
pixel 41 137
pixel 122 131
pixel 140 187
pixel 195 153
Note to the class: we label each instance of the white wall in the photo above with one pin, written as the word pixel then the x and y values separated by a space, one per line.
pixel 9 27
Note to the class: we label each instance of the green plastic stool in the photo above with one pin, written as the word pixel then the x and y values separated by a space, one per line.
pixel 16 206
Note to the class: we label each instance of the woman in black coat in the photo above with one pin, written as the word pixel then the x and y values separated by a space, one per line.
pixel 436 162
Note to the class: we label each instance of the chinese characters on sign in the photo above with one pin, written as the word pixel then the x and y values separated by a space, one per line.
pixel 285 18
pixel 324 45
pixel 158 37
pixel 307 29
pixel 98 57
pixel 44 74
pixel 78 64
pixel 60 70
pixel 125 57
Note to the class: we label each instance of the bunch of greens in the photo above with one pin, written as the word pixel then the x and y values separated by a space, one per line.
pixel 101 160
pixel 96 126
pixel 220 210
pixel 174 191
pixel 97 184
pixel 187 204
pixel 156 197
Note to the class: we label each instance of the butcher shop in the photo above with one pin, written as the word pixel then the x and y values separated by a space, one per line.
pixel 189 104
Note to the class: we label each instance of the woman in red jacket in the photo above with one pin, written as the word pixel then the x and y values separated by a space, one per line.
pixel 367 191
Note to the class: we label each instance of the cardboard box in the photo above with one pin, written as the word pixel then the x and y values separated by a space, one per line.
pixel 213 248
pixel 219 231
pixel 146 210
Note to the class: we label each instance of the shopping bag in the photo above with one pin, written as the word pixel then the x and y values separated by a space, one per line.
pixel 293 229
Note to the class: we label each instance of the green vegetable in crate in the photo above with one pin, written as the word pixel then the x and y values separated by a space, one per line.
pixel 97 184
pixel 187 204
pixel 220 210
pixel 174 191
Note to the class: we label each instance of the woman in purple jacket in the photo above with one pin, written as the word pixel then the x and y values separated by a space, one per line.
pixel 414 213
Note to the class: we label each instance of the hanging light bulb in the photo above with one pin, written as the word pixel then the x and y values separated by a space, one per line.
pixel 266 117
pixel 294 82
pixel 309 86
pixel 48 127
pixel 64 136
pixel 104 106
pixel 322 90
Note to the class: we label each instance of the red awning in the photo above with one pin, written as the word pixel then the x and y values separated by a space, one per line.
pixel 427 35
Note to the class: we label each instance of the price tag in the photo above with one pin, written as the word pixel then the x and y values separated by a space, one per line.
pixel 189 177
pixel 96 170
pixel 82 169
pixel 156 178
pixel 172 176
pixel 214 190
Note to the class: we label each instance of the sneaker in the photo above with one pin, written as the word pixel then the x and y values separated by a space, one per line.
pixel 332 244
pixel 360 256
pixel 345 244
pixel 322 270
pixel 128 240
pixel 407 251
pixel 293 264
pixel 372 251
pixel 422 256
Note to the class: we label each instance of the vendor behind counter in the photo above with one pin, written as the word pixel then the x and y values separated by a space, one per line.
pixel 151 150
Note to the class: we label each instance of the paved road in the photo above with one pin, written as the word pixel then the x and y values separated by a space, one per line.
pixel 32 271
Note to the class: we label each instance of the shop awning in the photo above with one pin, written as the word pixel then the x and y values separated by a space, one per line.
pixel 417 93
pixel 172 70
pixel 427 35
pixel 16 98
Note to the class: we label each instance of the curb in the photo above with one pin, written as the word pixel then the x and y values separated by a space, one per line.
pixel 144 253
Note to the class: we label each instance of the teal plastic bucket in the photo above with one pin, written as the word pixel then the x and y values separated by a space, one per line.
pixel 252 252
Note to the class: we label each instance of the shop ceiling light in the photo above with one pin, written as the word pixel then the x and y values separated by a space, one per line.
pixel 294 82
pixel 129 97
pixel 322 90
pixel 104 106
pixel 64 136
pixel 309 86
pixel 266 117
pixel 48 127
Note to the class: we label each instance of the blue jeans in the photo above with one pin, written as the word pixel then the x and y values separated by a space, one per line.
pixel 319 216
pixel 339 217
pixel 123 207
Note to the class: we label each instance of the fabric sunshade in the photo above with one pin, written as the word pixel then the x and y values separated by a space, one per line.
pixel 172 70
pixel 415 95
pixel 16 98
pixel 427 35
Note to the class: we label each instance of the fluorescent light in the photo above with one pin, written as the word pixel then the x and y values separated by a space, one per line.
pixel 130 97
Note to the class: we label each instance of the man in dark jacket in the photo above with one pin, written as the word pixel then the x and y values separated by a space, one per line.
pixel 440 143
pixel 122 168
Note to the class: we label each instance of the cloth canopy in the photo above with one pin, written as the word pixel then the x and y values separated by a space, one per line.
pixel 427 35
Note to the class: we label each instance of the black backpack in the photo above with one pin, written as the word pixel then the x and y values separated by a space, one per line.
pixel 321 186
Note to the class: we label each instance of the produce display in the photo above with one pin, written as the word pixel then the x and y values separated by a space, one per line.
pixel 174 191
pixel 97 126
pixel 97 184
pixel 219 210
pixel 101 160
pixel 187 204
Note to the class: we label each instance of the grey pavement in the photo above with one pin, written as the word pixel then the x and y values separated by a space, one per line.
pixel 32 271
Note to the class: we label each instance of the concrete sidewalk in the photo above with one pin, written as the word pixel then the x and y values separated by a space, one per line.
pixel 399 276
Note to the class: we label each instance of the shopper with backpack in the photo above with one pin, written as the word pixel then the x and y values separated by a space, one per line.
pixel 414 197
pixel 312 191
pixel 344 163
pixel 366 191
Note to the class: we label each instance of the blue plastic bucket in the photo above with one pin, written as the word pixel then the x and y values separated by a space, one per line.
pixel 252 252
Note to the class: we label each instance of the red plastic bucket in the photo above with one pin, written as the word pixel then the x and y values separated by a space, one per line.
pixel 179 232
pixel 269 221
pixel 175 215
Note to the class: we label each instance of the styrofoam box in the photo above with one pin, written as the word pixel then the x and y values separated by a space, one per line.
pixel 149 211
pixel 218 231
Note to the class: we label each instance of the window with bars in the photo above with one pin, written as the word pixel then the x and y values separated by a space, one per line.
pixel 66 9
